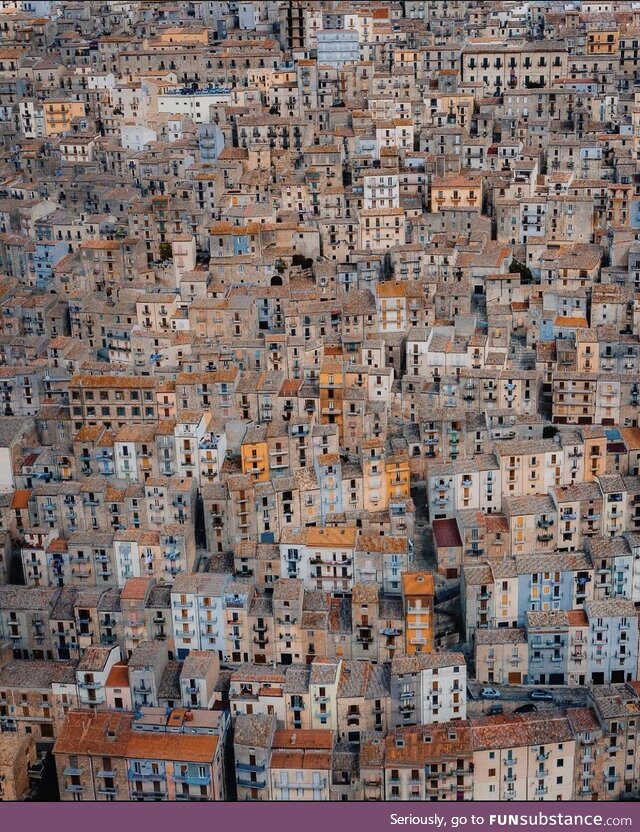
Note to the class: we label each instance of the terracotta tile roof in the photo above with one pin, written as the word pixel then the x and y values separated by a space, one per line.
pixel 182 748
pixel 20 499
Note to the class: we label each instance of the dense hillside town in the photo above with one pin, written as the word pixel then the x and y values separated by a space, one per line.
pixel 319 398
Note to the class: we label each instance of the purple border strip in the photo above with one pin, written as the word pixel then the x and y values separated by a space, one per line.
pixel 265 817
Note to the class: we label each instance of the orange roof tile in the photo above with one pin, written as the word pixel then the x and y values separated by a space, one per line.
pixel 119 676
pixel 183 748
pixel 20 498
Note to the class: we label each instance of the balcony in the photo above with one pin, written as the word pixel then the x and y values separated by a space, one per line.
pixel 193 779
pixel 141 794
pixel 364 638
pixel 90 685
pixel 74 789
pixel 251 784
pixel 258 769
pixel 145 773
pixel 541 791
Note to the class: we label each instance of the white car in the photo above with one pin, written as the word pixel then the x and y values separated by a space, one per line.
pixel 490 693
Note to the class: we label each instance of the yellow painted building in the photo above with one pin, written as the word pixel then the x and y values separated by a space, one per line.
pixel 391 305
pixel 398 473
pixel 255 454
pixel 58 115
pixel 382 228
pixel 603 41
pixel 460 192
pixel 331 394
pixel 418 592
pixel 184 37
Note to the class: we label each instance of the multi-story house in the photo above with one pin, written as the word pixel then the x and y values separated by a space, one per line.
pixel 301 765
pixel 428 689
pixel 323 692
pixel 418 594
pixel 253 750
pixel 146 666
pixel 558 647
pixel 432 762
pixel 501 656
pixel 92 673
pixel 362 701
pixel 612 641
pixel 197 614
pixel 35 697
pixel 112 401
pixel 616 709
pixel 132 757
pixel 523 757
pixel 258 690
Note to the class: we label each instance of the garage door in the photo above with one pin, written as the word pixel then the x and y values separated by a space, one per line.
pixel 515 678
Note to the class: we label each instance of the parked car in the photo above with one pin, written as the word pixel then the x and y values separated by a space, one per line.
pixel 541 694
pixel 529 708
pixel 494 710
pixel 490 693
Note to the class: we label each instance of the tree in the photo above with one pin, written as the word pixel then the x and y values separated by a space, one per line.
pixel 524 271
pixel 166 252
